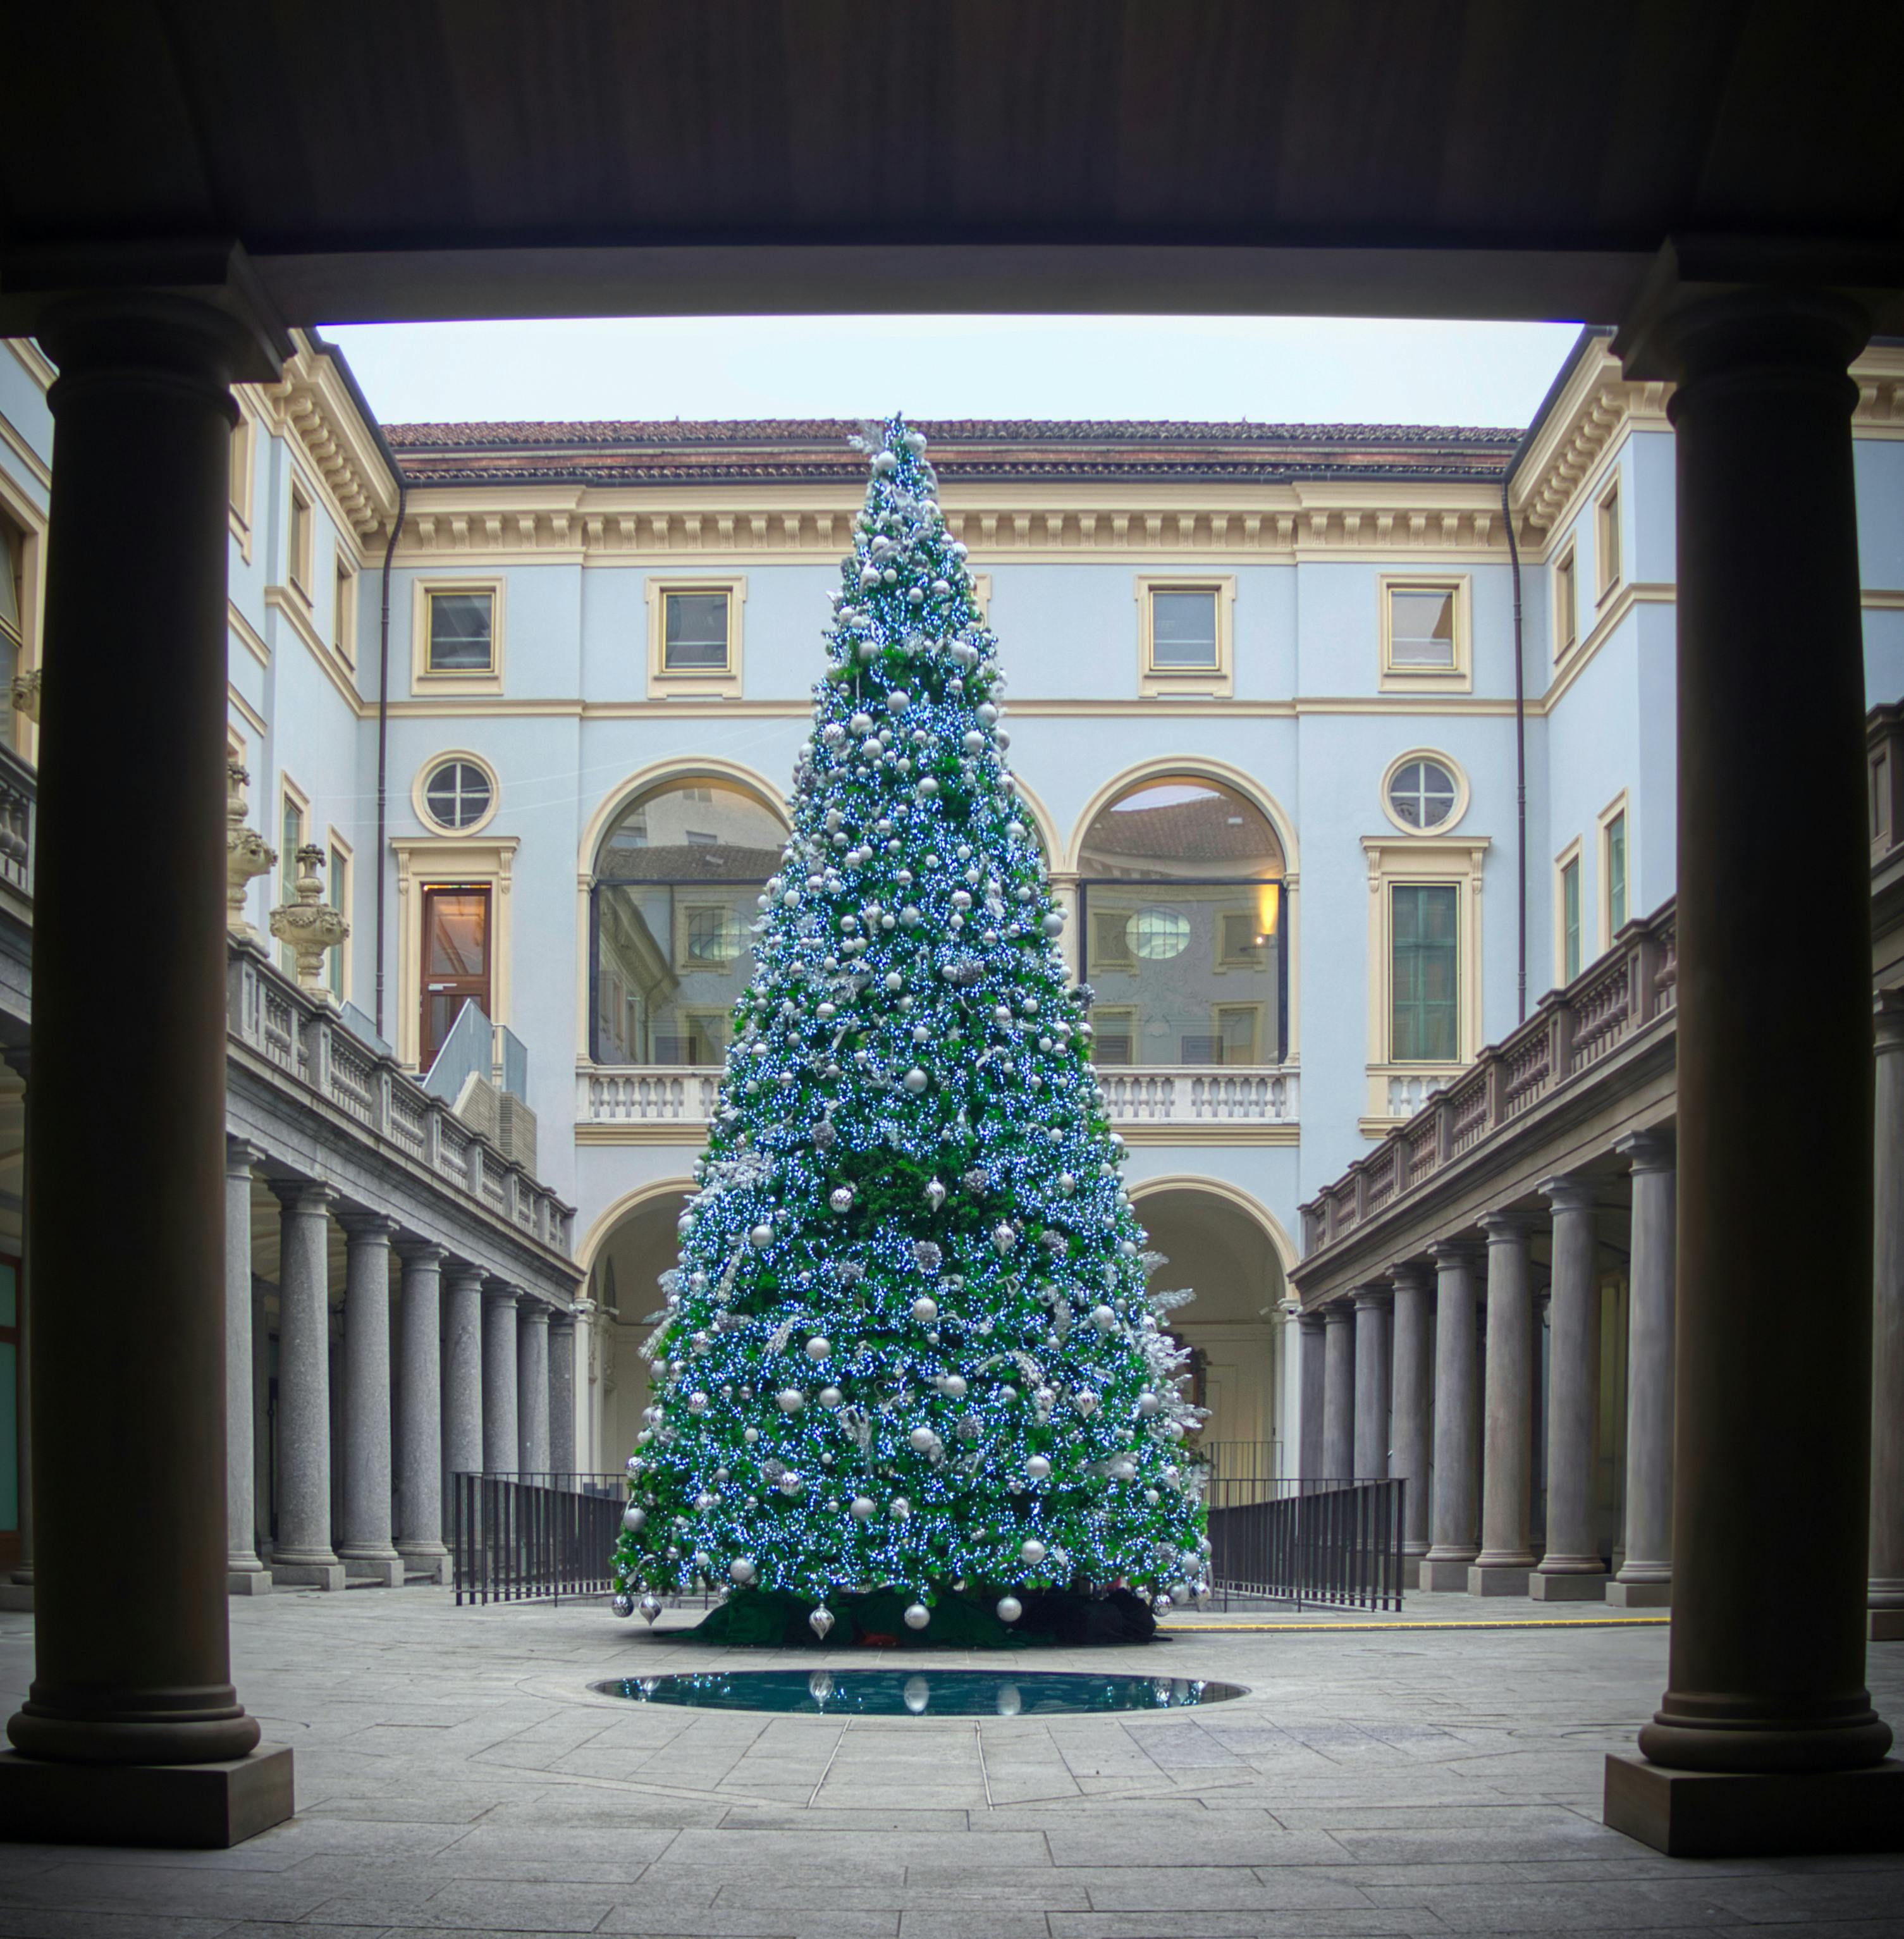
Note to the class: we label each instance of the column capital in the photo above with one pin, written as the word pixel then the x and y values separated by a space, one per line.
pixel 373 1227
pixel 1338 1313
pixel 1412 1276
pixel 532 1311
pixel 1888 1016
pixel 461 1272
pixel 1457 1252
pixel 499 1291
pixel 1373 1298
pixel 415 1252
pixel 1649 1151
pixel 1510 1222
pixel 1715 303
pixel 1570 1193
pixel 303 1194
pixel 241 1157
pixel 1310 1322
pixel 562 1318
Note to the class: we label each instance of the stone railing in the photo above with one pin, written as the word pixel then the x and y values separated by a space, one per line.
pixel 18 792
pixel 1202 1094
pixel 1572 1030
pixel 304 1038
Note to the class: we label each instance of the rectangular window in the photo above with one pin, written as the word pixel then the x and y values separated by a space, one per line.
pixel 1566 606
pixel 13 630
pixel 710 937
pixel 1238 1028
pixel 1183 630
pixel 1240 940
pixel 343 612
pixel 1615 863
pixel 455 961
pixel 1569 920
pixel 1881 799
pixel 290 838
pixel 1114 1038
pixel 1424 981
pixel 298 564
pixel 462 632
pixel 240 484
pixel 337 891
pixel 1110 940
pixel 1421 628
pixel 1606 538
pixel 695 633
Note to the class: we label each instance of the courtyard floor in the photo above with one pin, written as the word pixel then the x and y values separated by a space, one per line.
pixel 455 1775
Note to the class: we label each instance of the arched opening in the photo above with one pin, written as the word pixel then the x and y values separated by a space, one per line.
pixel 677 873
pixel 1182 897
pixel 627 1260
pixel 1233 1324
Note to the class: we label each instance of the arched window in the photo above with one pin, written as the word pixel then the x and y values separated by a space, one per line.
pixel 676 879
pixel 1181 897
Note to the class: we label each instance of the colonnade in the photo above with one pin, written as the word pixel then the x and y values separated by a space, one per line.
pixel 1407 1389
pixel 483 1377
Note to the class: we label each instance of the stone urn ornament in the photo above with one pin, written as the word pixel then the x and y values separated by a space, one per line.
pixel 247 852
pixel 310 925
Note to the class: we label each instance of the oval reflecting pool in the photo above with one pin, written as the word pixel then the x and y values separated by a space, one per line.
pixel 919 1693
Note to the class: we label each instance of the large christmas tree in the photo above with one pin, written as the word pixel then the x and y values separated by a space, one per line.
pixel 908 1345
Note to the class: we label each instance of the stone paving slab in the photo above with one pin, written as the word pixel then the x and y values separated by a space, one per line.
pixel 1381 1780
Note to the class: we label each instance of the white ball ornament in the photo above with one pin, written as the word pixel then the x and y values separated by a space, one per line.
pixel 750 1435
pixel 634 1520
pixel 898 700
pixel 925 1311
pixel 1009 1609
pixel 864 1508
pixel 1052 924
pixel 818 1347
pixel 1033 1552
pixel 923 1440
pixel 791 1400
pixel 1147 1403
pixel 953 1387
pixel 841 1198
pixel 741 1570
pixel 916 1080
pixel 918 1616
pixel 1103 1318
pixel 761 1236
pixel 1038 1467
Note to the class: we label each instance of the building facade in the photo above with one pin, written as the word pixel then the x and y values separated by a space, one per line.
pixel 1344 744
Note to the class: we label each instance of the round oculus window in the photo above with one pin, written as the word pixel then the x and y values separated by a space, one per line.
pixel 1421 794
pixel 456 794
pixel 1158 934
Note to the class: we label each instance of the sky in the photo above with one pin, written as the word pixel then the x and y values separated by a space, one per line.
pixel 1280 369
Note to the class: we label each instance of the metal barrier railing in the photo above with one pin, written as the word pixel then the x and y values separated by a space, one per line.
pixel 534 1538
pixel 1337 1544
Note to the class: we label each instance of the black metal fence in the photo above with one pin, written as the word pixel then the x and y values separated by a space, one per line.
pixel 534 1538
pixel 1334 1543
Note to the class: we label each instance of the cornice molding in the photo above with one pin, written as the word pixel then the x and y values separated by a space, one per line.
pixel 27 354
pixel 312 402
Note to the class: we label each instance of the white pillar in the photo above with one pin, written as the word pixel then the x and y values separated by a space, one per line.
pixel 245 1574
pixel 1646 1573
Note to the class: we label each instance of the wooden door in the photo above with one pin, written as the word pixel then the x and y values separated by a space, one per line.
pixel 455 961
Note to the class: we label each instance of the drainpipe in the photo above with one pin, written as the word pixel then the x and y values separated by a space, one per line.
pixel 383 734
pixel 1520 772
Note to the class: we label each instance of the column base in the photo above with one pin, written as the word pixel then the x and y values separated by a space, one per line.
pixel 428 1562
pixel 247 1581
pixel 1710 1814
pixel 307 1574
pixel 206 1806
pixel 1560 1588
pixel 1886 1625
pixel 1411 1572
pixel 1640 1595
pixel 1443 1573
pixel 386 1571
pixel 1493 1580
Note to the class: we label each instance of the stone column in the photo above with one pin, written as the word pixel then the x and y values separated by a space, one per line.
pixel 419 1412
pixel 532 1385
pixel 1646 1572
pixel 1310 1464
pixel 366 1550
pixel 128 1361
pixel 1338 1390
pixel 1572 1570
pixel 1771 679
pixel 561 1393
pixel 17 1592
pixel 1456 1516
pixel 1371 1383
pixel 1408 1443
pixel 302 1556
pixel 462 1377
pixel 1887 1584
pixel 501 1446
pixel 1501 1568
pixel 245 1574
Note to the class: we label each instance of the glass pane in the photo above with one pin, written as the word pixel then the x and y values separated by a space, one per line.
pixel 456 794
pixel 340 895
pixel 1616 871
pixel 658 1004
pixel 696 632
pixel 460 632
pixel 1421 628
pixel 1422 794
pixel 1183 629
pixel 456 939
pixel 1570 889
pixel 1424 968
pixel 1186 975
pixel 10 554
pixel 1181 828
pixel 663 837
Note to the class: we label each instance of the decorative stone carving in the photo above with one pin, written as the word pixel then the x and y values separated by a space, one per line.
pixel 26 692
pixel 310 925
pixel 246 853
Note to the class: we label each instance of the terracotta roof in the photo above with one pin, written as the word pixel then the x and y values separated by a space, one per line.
pixel 1207 828
pixel 815 451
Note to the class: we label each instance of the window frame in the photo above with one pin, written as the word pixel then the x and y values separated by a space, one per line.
pixel 449 861
pixel 1456 678
pixel 300 538
pixel 340 861
pixel 1254 1011
pixel 424 678
pixel 242 480
pixel 1566 593
pixel 1606 522
pixel 1155 682
pixel 419 793
pixel 1098 1012
pixel 1617 815
pixel 1570 859
pixel 685 911
pixel 669 683
pixel 343 610
pixel 1456 814
pixel 1395 1057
